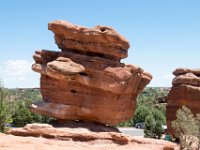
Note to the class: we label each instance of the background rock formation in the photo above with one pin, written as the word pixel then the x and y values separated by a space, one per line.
pixel 185 91
pixel 86 81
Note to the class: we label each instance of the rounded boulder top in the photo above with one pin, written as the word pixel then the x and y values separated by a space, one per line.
pixel 97 40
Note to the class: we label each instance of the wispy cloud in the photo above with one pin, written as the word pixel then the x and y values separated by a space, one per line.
pixel 18 73
pixel 19 69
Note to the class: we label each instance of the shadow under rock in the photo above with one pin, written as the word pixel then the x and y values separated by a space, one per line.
pixel 92 126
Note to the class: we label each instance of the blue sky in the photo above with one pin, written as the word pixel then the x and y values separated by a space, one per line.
pixel 163 34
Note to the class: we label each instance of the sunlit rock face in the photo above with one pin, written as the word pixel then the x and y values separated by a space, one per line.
pixel 185 91
pixel 86 81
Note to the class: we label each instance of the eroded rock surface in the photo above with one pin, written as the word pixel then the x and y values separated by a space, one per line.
pixel 47 137
pixel 100 40
pixel 185 91
pixel 86 81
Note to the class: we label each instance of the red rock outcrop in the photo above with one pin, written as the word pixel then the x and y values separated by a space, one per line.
pixel 86 81
pixel 101 40
pixel 47 137
pixel 185 91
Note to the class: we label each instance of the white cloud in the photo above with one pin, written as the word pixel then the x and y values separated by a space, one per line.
pixel 17 68
pixel 18 73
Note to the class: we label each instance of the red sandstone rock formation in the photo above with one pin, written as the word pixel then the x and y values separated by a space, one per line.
pixel 185 91
pixel 102 40
pixel 46 137
pixel 86 81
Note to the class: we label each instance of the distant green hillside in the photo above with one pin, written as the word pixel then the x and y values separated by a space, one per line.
pixel 150 95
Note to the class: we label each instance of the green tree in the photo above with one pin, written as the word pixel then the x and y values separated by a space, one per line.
pixel 186 127
pixel 147 101
pixel 153 124
pixel 141 113
pixel 21 115
pixel 148 98
pixel 162 108
pixel 159 116
pixel 5 116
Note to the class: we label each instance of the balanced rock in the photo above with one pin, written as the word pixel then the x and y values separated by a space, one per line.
pixel 86 81
pixel 185 92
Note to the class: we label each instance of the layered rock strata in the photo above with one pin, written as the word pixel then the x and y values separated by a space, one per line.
pixel 86 81
pixel 47 137
pixel 185 92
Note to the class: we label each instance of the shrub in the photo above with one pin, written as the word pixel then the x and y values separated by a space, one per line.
pixel 187 128
pixel 22 115
pixel 150 124
pixel 198 135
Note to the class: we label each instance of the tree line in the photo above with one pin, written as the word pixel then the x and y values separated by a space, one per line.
pixel 14 108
